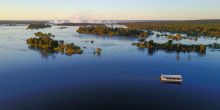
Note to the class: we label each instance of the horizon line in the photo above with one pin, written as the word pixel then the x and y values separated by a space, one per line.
pixel 113 20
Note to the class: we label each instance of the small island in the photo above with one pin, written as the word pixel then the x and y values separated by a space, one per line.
pixel 110 31
pixel 62 27
pixel 44 41
pixel 170 46
pixel 38 26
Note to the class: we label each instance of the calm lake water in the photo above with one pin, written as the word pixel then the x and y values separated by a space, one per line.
pixel 122 77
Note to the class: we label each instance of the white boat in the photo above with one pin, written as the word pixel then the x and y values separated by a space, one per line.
pixel 171 78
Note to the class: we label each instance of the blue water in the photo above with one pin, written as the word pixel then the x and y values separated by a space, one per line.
pixel 122 77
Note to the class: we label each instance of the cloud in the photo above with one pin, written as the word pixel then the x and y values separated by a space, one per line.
pixel 82 18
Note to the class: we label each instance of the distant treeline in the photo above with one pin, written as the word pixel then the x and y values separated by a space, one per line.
pixel 110 31
pixel 22 22
pixel 209 28
pixel 80 24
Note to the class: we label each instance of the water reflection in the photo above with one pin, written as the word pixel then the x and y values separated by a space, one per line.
pixel 189 58
pixel 177 56
pixel 153 52
pixel 172 83
pixel 98 54
pixel 119 38
pixel 44 54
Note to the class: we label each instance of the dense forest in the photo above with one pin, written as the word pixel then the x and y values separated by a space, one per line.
pixel 209 28
pixel 110 31
pixel 44 42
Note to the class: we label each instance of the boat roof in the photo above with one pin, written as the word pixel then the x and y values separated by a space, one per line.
pixel 171 76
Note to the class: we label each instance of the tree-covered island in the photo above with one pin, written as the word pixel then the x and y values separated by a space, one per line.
pixel 170 46
pixel 110 31
pixel 44 41
pixel 38 26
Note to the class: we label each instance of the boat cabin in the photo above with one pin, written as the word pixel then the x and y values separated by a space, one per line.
pixel 171 78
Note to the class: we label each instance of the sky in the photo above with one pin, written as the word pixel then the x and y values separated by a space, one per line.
pixel 109 9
